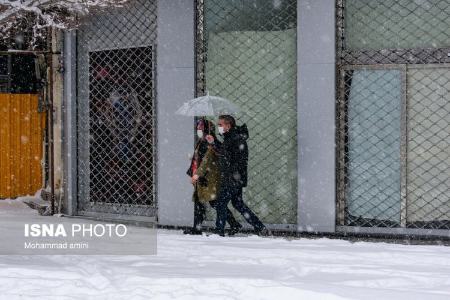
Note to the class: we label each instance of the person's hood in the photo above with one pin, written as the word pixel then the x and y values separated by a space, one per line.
pixel 242 131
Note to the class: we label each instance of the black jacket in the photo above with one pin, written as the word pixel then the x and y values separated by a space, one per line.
pixel 233 157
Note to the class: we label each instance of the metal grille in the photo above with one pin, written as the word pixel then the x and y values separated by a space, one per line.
pixel 393 113
pixel 246 52
pixel 117 111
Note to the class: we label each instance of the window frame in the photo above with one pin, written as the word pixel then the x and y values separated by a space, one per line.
pixel 342 134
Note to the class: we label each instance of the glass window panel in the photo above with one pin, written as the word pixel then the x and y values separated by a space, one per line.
pixel 250 15
pixel 428 162
pixel 3 65
pixel 394 24
pixel 374 102
pixel 23 74
pixel 252 61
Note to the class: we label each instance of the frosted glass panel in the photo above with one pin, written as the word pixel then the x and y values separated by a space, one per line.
pixel 373 190
pixel 428 161
pixel 252 60
pixel 387 24
pixel 260 76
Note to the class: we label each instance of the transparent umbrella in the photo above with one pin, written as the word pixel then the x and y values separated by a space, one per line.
pixel 208 106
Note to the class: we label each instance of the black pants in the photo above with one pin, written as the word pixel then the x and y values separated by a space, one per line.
pixel 200 212
pixel 234 194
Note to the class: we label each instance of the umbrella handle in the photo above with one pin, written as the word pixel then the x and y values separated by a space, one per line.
pixel 209 128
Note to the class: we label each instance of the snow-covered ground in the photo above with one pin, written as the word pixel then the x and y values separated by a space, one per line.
pixel 213 268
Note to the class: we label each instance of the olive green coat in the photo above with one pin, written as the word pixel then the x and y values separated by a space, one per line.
pixel 207 186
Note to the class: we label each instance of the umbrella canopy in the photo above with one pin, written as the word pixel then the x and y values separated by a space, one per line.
pixel 208 106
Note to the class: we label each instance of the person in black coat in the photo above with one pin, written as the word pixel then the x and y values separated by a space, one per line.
pixel 204 127
pixel 233 164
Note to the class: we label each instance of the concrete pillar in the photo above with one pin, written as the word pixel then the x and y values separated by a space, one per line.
pixel 57 42
pixel 69 124
pixel 175 85
pixel 316 115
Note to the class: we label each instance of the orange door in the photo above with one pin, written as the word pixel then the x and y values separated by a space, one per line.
pixel 21 145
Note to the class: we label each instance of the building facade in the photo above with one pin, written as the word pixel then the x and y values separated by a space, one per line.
pixel 347 104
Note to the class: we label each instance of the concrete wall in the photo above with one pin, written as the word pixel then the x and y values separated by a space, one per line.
pixel 316 115
pixel 175 85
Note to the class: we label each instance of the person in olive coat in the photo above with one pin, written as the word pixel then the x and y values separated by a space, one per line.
pixel 205 176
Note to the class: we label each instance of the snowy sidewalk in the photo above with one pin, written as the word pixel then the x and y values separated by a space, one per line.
pixel 213 268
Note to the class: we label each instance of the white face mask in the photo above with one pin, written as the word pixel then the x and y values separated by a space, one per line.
pixel 200 134
pixel 221 130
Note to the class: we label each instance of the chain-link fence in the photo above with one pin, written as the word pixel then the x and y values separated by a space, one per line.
pixel 116 111
pixel 393 113
pixel 246 52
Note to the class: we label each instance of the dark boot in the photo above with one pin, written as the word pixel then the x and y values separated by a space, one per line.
pixel 263 232
pixel 193 231
pixel 235 226
pixel 218 232
pixel 199 215
pixel 235 229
